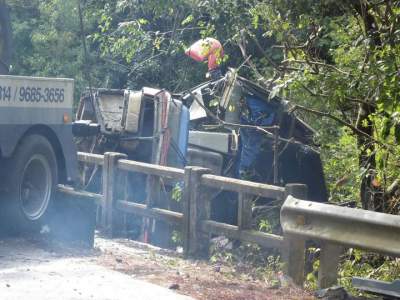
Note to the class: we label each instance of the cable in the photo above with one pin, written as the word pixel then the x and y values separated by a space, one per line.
pixel 175 147
pixel 86 68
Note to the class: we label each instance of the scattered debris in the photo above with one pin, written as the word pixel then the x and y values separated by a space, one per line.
pixel 217 268
pixel 198 279
pixel 337 293
pixel 333 293
pixel 222 242
pixel 174 286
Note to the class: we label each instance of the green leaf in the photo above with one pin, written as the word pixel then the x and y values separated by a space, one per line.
pixel 143 21
pixel 189 19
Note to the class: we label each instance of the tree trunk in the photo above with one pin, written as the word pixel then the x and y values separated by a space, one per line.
pixel 366 159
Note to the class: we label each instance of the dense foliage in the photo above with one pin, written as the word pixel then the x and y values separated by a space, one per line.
pixel 338 61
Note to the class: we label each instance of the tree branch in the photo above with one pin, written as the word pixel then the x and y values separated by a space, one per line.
pixel 319 64
pixel 333 117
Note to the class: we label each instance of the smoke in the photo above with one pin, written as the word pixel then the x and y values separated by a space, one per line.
pixel 72 220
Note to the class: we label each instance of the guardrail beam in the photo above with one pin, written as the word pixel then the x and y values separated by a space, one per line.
pixel 96 198
pixel 350 227
pixel 91 158
pixel 263 239
pixel 150 169
pixel 155 213
pixel 243 186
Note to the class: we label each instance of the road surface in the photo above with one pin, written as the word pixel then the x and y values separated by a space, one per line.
pixel 30 270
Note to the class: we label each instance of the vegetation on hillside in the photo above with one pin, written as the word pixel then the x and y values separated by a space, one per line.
pixel 336 61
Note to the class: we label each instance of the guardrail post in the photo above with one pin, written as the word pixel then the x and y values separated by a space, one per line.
pixel 110 181
pixel 245 211
pixel 328 265
pixel 153 188
pixel 196 208
pixel 294 248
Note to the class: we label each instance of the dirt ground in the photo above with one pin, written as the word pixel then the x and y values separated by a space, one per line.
pixel 198 279
pixel 122 269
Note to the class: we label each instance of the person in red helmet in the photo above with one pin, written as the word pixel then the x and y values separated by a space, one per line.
pixel 208 49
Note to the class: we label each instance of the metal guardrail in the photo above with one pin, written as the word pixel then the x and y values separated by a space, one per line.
pixel 349 227
pixel 337 227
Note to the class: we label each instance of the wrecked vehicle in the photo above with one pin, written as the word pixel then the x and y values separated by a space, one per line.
pixel 262 140
pixel 148 125
pixel 228 124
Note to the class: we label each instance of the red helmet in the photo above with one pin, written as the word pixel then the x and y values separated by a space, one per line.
pixel 210 49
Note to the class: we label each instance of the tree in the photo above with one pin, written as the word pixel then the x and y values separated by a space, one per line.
pixel 344 55
pixel 336 60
